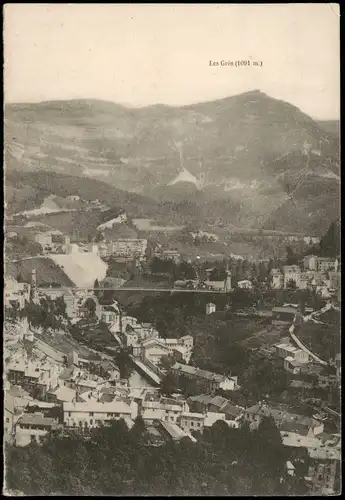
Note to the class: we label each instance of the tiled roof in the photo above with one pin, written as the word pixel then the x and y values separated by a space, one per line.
pixel 198 372
pixel 231 410
pixel 150 414
pixel 204 399
pixel 200 416
pixel 37 419
pixel 295 427
pixel 171 401
pixel 86 383
pixel 65 394
pixel 174 430
pixel 218 401
pixel 97 407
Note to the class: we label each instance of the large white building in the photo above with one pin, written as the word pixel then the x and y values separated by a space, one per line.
pixel 321 264
pixel 93 414
pixel 161 408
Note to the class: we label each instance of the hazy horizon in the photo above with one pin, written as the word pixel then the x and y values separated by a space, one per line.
pixel 150 54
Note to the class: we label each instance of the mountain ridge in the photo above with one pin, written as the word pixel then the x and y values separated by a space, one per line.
pixel 249 148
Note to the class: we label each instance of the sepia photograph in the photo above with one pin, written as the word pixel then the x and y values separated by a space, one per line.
pixel 172 260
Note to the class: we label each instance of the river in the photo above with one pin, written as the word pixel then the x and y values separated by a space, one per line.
pixel 137 380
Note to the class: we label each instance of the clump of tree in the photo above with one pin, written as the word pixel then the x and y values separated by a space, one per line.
pixel 168 385
pixel 291 258
pixel 124 363
pixel 224 462
pixel 329 245
pixel 48 313
pixel 91 307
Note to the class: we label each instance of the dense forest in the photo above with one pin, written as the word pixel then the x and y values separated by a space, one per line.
pixel 113 460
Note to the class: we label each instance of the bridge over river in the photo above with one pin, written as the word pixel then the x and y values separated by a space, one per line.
pixel 144 370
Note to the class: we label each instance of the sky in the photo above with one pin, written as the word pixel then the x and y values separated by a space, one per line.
pixel 160 53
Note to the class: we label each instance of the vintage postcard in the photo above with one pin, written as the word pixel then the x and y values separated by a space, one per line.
pixel 172 252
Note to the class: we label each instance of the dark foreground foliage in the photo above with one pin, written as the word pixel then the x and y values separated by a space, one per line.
pixel 113 460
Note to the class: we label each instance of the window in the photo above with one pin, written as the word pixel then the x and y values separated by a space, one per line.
pixel 91 413
pixel 110 414
pixel 192 424
pixel 69 413
pixel 7 420
pixel 198 424
pixel 91 421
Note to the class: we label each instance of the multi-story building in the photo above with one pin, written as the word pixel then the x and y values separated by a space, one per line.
pixel 216 405
pixel 294 358
pixel 173 255
pixel 283 315
pixel 320 264
pixel 192 421
pixel 334 280
pixel 277 279
pixel 154 350
pixel 324 264
pixel 284 419
pixel 305 281
pixel 324 470
pixel 110 316
pixel 284 350
pixel 33 428
pixel 205 381
pixel 127 247
pixel 292 274
pixel 71 248
pixel 44 239
pixel 168 409
pixel 93 414
pixel 309 262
